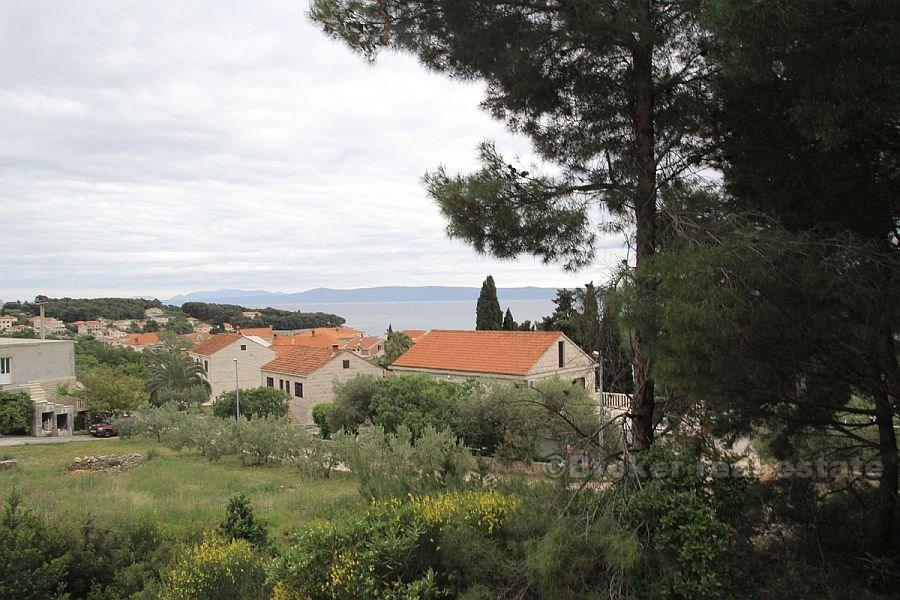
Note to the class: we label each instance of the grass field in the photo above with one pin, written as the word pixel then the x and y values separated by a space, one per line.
pixel 184 491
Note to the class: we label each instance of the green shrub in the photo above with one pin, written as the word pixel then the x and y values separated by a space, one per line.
pixel 185 399
pixel 394 466
pixel 268 438
pixel 241 524
pixel 352 406
pixel 216 568
pixel 16 412
pixel 320 414
pixel 393 551
pixel 257 402
pixel 33 559
pixel 155 421
pixel 417 402
pixel 690 544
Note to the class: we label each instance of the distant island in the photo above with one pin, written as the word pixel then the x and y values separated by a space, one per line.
pixel 394 293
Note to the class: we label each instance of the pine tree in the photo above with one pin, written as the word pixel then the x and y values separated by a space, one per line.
pixel 488 315
pixel 611 92
pixel 565 317
pixel 508 323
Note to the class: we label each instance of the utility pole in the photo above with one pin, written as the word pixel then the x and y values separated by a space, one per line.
pixel 237 392
pixel 43 327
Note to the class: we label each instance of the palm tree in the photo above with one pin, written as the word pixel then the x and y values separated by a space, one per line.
pixel 175 371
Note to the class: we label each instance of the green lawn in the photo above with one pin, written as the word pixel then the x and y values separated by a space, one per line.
pixel 184 491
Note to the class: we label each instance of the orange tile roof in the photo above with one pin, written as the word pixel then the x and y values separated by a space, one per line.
pixel 265 333
pixel 414 334
pixel 299 360
pixel 141 339
pixel 495 352
pixel 362 343
pixel 344 333
pixel 196 338
pixel 215 343
pixel 313 341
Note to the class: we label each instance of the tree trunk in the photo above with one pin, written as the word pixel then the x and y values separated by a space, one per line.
pixel 887 447
pixel 642 403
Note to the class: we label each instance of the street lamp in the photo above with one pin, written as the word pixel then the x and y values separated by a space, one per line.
pixel 237 392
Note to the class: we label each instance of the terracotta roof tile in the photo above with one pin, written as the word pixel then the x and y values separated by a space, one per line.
pixel 495 352
pixel 317 341
pixel 298 360
pixel 215 343
pixel 141 339
pixel 265 333
pixel 362 343
pixel 414 334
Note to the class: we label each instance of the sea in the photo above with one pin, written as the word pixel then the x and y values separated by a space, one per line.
pixel 374 317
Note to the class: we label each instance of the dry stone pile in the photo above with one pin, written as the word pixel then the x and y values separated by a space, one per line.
pixel 105 462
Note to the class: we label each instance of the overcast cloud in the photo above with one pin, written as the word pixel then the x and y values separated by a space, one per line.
pixel 154 148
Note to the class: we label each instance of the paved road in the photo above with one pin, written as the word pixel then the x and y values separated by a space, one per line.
pixel 24 440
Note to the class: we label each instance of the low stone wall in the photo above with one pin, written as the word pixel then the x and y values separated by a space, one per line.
pixel 105 462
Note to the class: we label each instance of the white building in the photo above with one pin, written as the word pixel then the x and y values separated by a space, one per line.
pixel 217 357
pixel 308 375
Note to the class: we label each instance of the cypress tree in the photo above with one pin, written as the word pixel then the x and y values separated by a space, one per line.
pixel 508 323
pixel 488 315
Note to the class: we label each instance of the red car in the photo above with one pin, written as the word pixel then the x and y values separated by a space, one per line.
pixel 104 430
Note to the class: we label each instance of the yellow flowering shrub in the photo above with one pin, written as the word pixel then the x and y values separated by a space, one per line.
pixel 216 568
pixel 484 510
pixel 393 551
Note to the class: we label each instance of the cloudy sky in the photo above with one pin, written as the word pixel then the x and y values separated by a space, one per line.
pixel 154 148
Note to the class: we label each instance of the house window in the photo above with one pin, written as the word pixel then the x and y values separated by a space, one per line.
pixel 243 346
pixel 298 389
pixel 281 384
pixel 346 364
pixel 561 349
pixel 6 365
pixel 270 381
pixel 580 381
pixel 206 366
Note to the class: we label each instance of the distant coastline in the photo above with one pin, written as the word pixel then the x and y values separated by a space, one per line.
pixel 263 298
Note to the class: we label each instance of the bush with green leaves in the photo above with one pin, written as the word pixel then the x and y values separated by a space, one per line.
pixel 256 402
pixel 33 558
pixel 417 402
pixel 16 412
pixel 352 405
pixel 392 551
pixel 263 439
pixel 188 398
pixel 394 465
pixel 688 522
pixel 241 523
pixel 320 418
pixel 216 568
pixel 155 421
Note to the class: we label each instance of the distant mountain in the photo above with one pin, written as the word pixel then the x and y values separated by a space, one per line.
pixel 393 293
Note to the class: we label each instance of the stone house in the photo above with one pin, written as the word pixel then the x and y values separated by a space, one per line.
pixel 366 346
pixel 139 341
pixel 88 327
pixel 308 375
pixel 50 325
pixel 219 354
pixel 7 321
pixel 525 357
pixel 40 367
